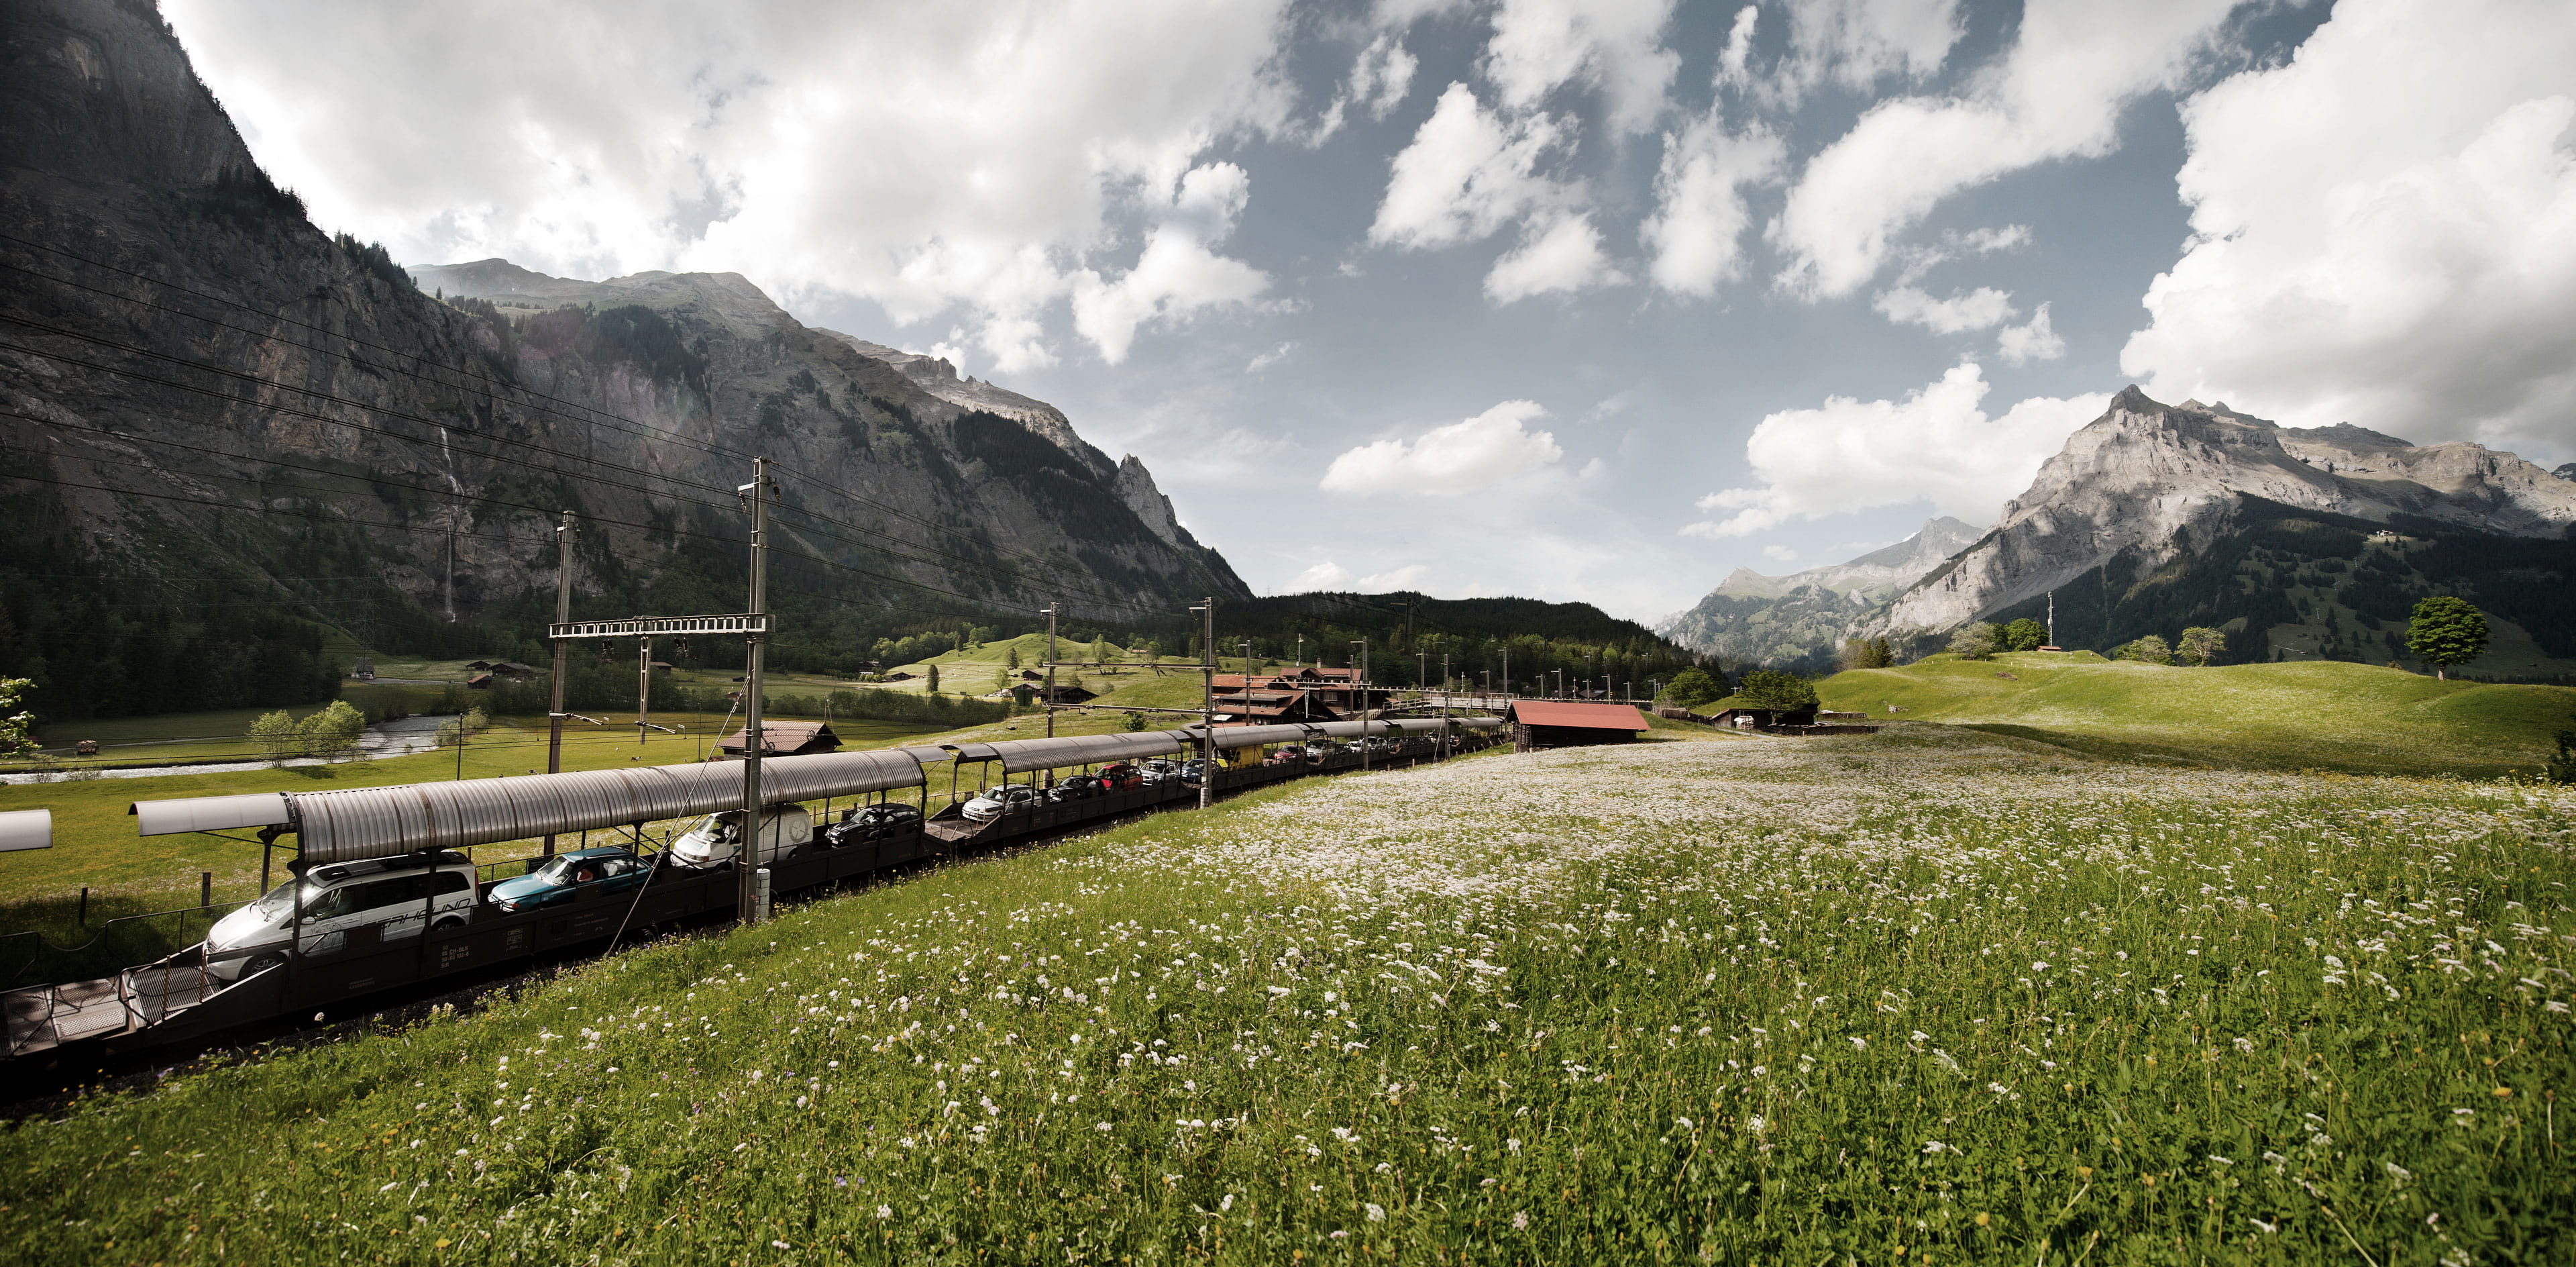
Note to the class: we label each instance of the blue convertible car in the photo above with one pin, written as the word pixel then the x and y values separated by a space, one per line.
pixel 605 870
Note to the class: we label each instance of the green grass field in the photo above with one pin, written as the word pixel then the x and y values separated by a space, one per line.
pixel 1924 997
pixel 2322 715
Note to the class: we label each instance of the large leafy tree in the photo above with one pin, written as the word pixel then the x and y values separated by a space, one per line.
pixel 14 724
pixel 1765 688
pixel 2445 631
pixel 2200 645
pixel 2148 650
pixel 1693 687
pixel 1976 641
pixel 2025 634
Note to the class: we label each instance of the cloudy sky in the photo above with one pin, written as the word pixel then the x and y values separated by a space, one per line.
pixel 1580 299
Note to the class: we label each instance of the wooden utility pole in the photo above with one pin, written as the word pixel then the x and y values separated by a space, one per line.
pixel 555 711
pixel 1050 699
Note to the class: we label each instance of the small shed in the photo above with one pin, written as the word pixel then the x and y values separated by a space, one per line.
pixel 1765 718
pixel 1065 695
pixel 784 739
pixel 1564 724
pixel 513 669
pixel 480 681
pixel 365 669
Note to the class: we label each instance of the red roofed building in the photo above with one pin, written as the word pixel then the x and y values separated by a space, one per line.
pixel 783 739
pixel 1565 724
pixel 1305 693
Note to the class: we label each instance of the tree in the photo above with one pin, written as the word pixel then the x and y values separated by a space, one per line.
pixel 333 733
pixel 1976 641
pixel 1693 687
pixel 274 735
pixel 1001 678
pixel 1014 659
pixel 1867 653
pixel 2201 646
pixel 14 740
pixel 933 684
pixel 2562 768
pixel 1134 722
pixel 2025 634
pixel 2445 631
pixel 1766 688
pixel 2148 650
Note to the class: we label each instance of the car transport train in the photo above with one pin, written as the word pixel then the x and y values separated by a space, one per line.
pixel 383 891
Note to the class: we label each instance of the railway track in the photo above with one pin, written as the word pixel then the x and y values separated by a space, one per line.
pixel 183 1011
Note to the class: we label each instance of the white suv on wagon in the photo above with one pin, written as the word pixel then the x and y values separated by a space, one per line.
pixel 397 894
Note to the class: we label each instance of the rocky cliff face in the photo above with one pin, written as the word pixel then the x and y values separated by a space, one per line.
pixel 2148 483
pixel 196 383
pixel 1799 621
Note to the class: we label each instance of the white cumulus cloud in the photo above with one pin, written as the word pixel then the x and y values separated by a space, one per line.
pixel 2384 230
pixel 1696 233
pixel 2033 340
pixel 1177 274
pixel 940 167
pixel 1615 45
pixel 1464 457
pixel 1562 253
pixel 1978 309
pixel 2057 94
pixel 1329 575
pixel 1856 43
pixel 1937 444
pixel 1467 173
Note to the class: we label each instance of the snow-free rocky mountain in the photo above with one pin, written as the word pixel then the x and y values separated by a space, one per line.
pixel 1797 621
pixel 200 384
pixel 2301 542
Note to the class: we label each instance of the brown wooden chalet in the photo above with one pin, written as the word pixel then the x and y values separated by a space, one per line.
pixel 784 739
pixel 1305 693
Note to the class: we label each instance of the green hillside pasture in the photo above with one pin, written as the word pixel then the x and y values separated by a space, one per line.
pixel 95 844
pixel 2323 715
pixel 1935 997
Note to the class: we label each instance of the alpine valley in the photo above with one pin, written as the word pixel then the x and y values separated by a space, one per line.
pixel 2298 543
pixel 209 407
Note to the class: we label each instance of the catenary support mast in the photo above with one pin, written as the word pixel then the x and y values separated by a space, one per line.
pixel 756 495
pixel 563 614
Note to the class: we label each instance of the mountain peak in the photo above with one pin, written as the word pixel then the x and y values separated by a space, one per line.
pixel 2148 483
pixel 2133 399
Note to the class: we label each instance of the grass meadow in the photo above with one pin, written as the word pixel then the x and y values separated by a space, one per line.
pixel 1930 996
pixel 2312 714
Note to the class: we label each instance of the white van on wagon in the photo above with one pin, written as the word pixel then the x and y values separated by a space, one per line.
pixel 784 829
pixel 395 894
